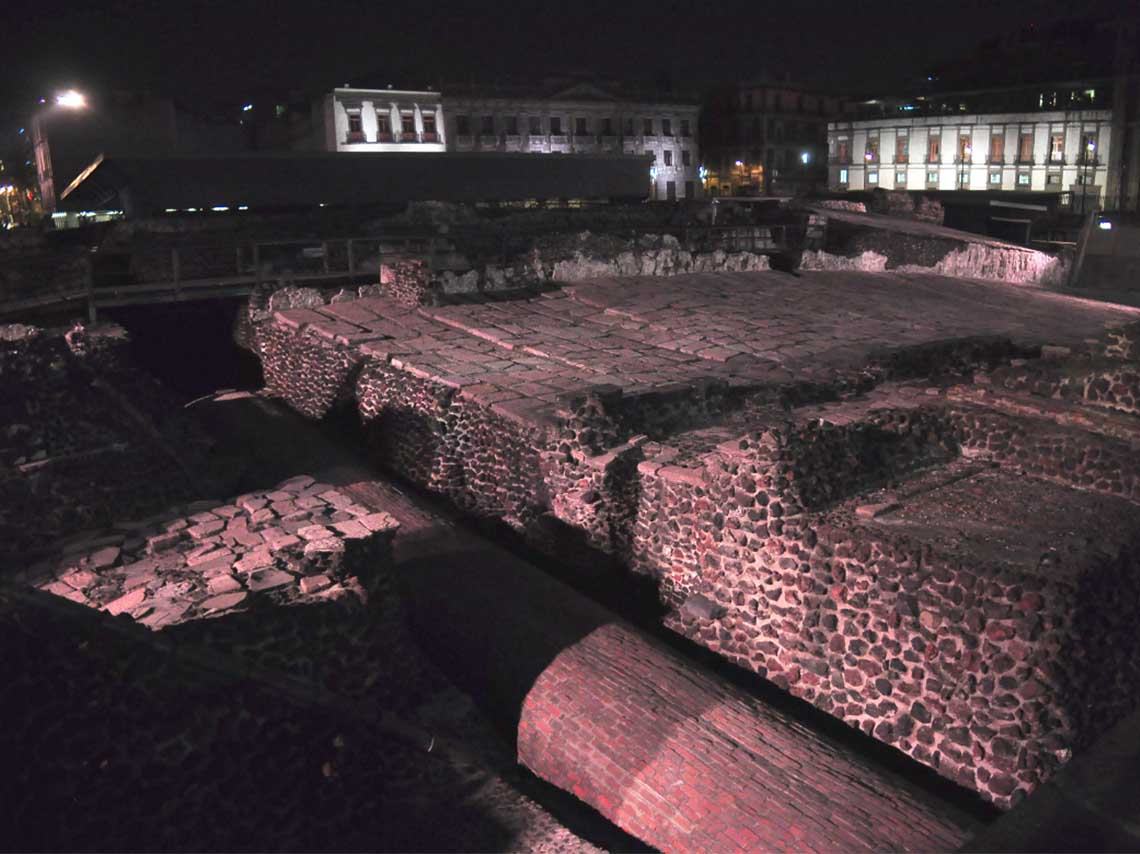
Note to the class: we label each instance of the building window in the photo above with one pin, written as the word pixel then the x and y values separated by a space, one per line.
pixel 627 127
pixel 487 126
pixel 652 154
pixel 647 127
pixel 556 125
pixel 463 125
pixel 1088 153
pixel 1023 179
pixel 934 149
pixel 579 126
pixel 1053 179
pixel 932 177
pixel 995 178
pixel 843 150
pixel 668 157
pixel 902 147
pixel 997 149
pixel 666 127
pixel 511 125
pixel 842 176
pixel 607 127
pixel 383 128
pixel 873 176
pixel 355 128
pixel 536 125
pixel 684 127
pixel 688 189
pixel 965 150
pixel 872 154
pixel 686 157
pixel 900 178
pixel 1025 148
pixel 407 125
pixel 1056 148
pixel 671 190
pixel 429 127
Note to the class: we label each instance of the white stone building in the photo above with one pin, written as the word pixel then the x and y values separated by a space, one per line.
pixel 363 120
pixel 1046 152
pixel 583 118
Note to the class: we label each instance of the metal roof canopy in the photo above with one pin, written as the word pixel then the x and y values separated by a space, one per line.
pixel 141 186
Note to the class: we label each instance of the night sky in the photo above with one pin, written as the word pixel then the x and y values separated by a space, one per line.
pixel 238 50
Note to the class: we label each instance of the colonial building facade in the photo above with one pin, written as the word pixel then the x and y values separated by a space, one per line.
pixel 1051 151
pixel 766 138
pixel 382 120
pixel 582 118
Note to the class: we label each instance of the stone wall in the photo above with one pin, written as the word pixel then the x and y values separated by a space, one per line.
pixel 85 438
pixel 795 528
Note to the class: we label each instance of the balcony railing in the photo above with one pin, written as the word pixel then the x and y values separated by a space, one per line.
pixel 356 136
pixel 430 136
pixel 488 140
pixel 559 139
pixel 464 140
pixel 384 136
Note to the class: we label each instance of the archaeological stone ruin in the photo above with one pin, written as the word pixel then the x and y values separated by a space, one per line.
pixel 877 489
pixel 920 518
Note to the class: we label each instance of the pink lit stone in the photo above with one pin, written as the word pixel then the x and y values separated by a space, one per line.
pixel 221 603
pixel 127 602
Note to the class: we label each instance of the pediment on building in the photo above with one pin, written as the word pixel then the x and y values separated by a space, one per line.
pixel 581 92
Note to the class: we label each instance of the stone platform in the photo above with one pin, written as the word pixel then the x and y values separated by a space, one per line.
pixel 799 462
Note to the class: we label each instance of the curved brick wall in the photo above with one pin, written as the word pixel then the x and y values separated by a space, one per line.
pixel 686 763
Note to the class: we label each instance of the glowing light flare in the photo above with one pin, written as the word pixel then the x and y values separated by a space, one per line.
pixel 71 99
pixel 1104 225
pixel 805 158
pixel 246 108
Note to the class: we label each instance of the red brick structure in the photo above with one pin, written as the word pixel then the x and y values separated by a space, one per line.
pixel 687 764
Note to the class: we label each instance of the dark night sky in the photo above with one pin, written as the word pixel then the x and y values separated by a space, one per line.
pixel 234 51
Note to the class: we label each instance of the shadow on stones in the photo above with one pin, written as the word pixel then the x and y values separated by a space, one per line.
pixel 120 740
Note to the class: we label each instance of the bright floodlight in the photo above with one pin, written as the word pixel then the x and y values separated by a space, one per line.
pixel 71 99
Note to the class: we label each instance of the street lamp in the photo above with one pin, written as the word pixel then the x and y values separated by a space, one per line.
pixel 68 100
pixel 71 100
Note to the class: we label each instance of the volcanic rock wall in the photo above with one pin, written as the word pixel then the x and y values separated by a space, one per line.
pixel 84 437
pixel 775 548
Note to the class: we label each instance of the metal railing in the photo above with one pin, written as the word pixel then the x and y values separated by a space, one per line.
pixel 192 270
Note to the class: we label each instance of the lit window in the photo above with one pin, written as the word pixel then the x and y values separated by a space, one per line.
pixel 1053 179
pixel 1057 147
pixel 842 176
pixel 1023 179
pixel 932 176
pixel 995 177
pixel 900 178
pixel 872 177
pixel 355 129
